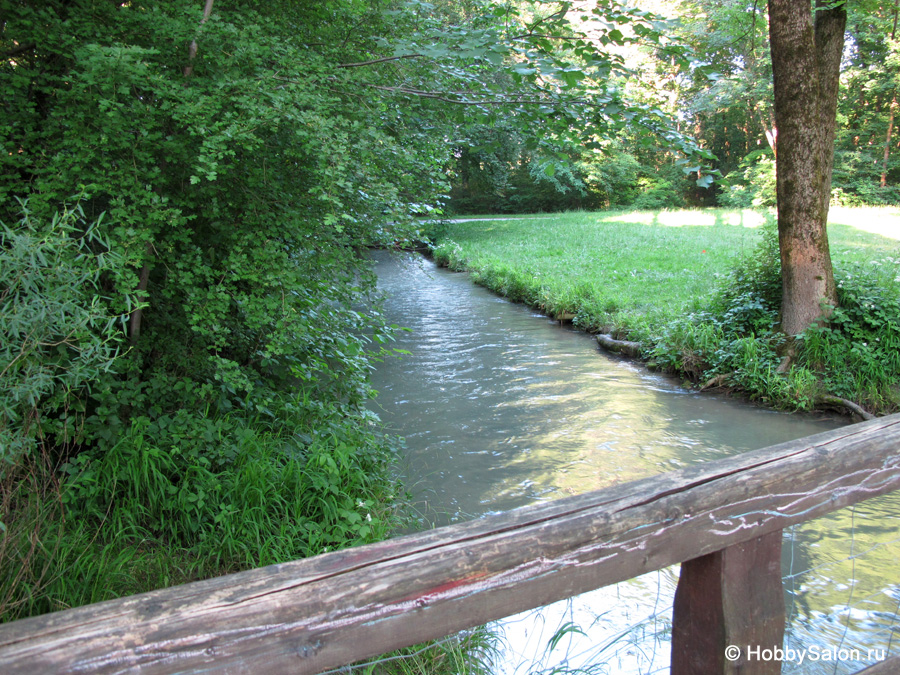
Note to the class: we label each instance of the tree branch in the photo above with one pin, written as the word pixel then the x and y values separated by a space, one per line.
pixel 192 50
pixel 19 50
pixel 850 405
pixel 384 60
pixel 546 37
pixel 445 97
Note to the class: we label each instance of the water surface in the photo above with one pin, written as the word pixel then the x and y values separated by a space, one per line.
pixel 501 407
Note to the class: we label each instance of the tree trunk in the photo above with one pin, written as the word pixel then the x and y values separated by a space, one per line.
pixel 137 314
pixel 887 142
pixel 806 67
pixel 890 129
pixel 192 50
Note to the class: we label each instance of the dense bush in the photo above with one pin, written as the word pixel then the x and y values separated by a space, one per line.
pixel 57 333
pixel 184 354
pixel 855 182
pixel 754 184
pixel 495 172
pixel 611 176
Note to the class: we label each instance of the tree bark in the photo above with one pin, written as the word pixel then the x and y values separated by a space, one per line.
pixel 137 314
pixel 887 142
pixel 806 67
pixel 192 50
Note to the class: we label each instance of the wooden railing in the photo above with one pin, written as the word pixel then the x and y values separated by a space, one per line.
pixel 724 518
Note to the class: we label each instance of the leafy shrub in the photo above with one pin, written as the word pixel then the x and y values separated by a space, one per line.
pixel 754 183
pixel 57 335
pixel 857 353
pixel 657 193
pixel 856 181
pixel 855 356
pixel 612 178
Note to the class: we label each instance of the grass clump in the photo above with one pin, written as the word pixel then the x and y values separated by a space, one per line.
pixel 701 290
pixel 160 507
pixel 469 652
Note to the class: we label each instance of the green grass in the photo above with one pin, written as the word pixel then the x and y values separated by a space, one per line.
pixel 630 271
pixel 667 279
pixel 155 510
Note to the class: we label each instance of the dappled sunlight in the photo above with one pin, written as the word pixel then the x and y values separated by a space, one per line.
pixel 740 217
pixel 687 218
pixel 643 217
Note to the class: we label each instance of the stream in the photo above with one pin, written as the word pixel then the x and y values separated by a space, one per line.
pixel 501 407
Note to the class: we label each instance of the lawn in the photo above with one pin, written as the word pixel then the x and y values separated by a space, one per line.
pixel 633 270
pixel 665 279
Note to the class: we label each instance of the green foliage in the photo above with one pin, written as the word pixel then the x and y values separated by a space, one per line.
pixel 178 497
pixel 235 198
pixel 612 176
pixel 856 181
pixel 854 355
pixel 237 496
pixel 857 353
pixel 755 282
pixel 48 563
pixel 471 652
pixel 657 193
pixel 57 335
pixel 754 185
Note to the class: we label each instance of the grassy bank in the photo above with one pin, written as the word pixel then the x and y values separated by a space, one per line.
pixel 699 290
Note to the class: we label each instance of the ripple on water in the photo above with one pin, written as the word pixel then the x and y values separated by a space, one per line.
pixel 503 408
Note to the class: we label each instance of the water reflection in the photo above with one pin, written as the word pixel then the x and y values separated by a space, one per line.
pixel 502 408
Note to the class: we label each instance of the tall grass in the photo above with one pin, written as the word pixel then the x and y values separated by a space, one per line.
pixel 154 509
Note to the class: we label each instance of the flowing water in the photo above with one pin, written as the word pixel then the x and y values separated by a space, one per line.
pixel 501 407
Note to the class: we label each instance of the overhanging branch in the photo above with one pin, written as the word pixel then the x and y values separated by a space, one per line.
pixel 20 50
pixel 446 97
pixel 383 60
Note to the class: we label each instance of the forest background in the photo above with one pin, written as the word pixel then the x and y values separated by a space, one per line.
pixel 187 193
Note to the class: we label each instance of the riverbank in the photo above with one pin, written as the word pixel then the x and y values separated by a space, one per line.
pixel 699 290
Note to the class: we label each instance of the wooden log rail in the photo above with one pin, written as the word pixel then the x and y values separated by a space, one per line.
pixel 723 517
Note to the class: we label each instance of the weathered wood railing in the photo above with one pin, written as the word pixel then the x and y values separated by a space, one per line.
pixel 724 518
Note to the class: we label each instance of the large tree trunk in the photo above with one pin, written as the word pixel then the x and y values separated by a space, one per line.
pixel 806 66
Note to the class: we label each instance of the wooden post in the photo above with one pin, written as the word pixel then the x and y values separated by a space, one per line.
pixel 729 611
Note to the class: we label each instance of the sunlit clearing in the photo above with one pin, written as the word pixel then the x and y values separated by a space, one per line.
pixel 693 218
pixel 884 220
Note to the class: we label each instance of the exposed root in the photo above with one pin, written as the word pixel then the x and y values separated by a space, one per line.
pixel 717 381
pixel 789 352
pixel 828 399
pixel 626 347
